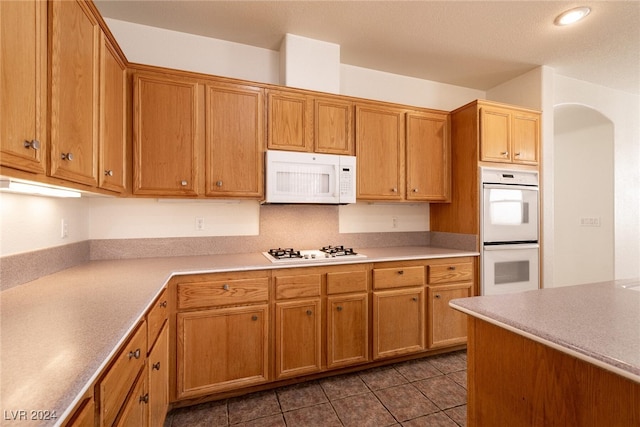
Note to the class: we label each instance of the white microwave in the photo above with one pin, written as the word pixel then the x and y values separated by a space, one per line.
pixel 294 177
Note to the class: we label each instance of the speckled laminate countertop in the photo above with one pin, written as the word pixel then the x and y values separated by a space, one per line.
pixel 598 323
pixel 58 332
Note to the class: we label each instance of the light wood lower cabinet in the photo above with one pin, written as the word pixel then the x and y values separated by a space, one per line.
pixel 347 329
pixel 85 415
pixel 222 349
pixel 446 326
pixel 398 322
pixel 135 410
pixel 298 337
pixel 158 373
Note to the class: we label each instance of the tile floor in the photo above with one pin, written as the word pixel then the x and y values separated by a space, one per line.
pixel 424 392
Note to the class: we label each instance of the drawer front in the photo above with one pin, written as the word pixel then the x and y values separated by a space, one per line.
pixel 348 281
pixel 115 385
pixel 156 318
pixel 397 277
pixel 453 272
pixel 223 292
pixel 300 286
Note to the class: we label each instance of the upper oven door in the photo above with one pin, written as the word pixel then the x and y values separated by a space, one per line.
pixel 509 213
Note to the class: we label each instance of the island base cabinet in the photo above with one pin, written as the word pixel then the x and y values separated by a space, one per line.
pixel 221 349
pixel 515 381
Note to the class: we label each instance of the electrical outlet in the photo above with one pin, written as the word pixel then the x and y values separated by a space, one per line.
pixel 590 221
pixel 394 222
pixel 64 229
pixel 199 224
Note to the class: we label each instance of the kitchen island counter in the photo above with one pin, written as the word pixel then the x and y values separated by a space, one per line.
pixel 60 331
pixel 557 356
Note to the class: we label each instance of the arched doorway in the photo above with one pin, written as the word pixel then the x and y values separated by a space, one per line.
pixel 583 179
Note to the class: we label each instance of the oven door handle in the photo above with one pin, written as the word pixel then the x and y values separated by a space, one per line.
pixel 510 247
pixel 511 186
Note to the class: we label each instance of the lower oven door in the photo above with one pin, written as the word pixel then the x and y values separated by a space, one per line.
pixel 509 268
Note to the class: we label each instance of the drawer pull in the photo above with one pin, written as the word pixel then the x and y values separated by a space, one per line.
pixel 452 267
pixel 415 299
pixel 339 308
pixel 66 156
pixel 184 182
pixel 156 366
pixel 401 272
pixel 254 317
pixel 309 312
pixel 225 287
pixel 163 304
pixel 145 398
pixel 108 172
pixel 134 354
pixel 438 296
pixel 34 143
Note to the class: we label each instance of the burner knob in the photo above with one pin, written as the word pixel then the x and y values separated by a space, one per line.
pixel 306 256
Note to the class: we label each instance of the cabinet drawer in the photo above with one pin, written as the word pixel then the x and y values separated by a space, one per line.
pixel 453 272
pixel 115 385
pixel 299 286
pixel 156 318
pixel 223 292
pixel 397 277
pixel 348 281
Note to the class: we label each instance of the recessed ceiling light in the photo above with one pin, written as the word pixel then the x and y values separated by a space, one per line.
pixel 572 16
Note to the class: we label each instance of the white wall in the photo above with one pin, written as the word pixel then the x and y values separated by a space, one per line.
pixel 584 188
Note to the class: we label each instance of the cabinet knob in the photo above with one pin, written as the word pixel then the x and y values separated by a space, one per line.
pixel 163 304
pixel 66 156
pixel 218 183
pixel 156 366
pixel 394 190
pixel 254 317
pixel 452 267
pixel 505 154
pixel 184 182
pixel 339 308
pixel 134 354
pixel 437 296
pixel 415 299
pixel 517 154
pixel 34 143
pixel 225 287
pixel 145 398
pixel 415 190
pixel 108 172
pixel 401 272
pixel 309 312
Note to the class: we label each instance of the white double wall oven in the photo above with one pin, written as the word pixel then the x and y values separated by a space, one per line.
pixel 509 231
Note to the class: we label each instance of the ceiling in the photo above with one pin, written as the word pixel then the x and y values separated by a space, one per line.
pixel 475 44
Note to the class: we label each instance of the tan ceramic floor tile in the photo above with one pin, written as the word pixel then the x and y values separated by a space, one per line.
pixel 252 406
pixel 450 362
pixel 438 419
pixel 321 415
pixel 405 402
pixel 270 421
pixel 301 395
pixel 363 410
pixel 380 378
pixel 458 414
pixel 443 391
pixel 206 414
pixel 343 386
pixel 415 370
pixel 460 377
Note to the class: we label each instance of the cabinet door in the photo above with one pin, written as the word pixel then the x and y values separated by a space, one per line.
pixel 525 137
pixel 158 369
pixel 428 157
pixel 23 85
pixel 446 325
pixel 495 135
pixel 333 126
pixel 347 330
pixel 134 413
pixel 75 38
pixel 380 153
pixel 113 111
pixel 221 349
pixel 289 121
pixel 398 322
pixel 234 141
pixel 85 416
pixel 298 335
pixel 166 135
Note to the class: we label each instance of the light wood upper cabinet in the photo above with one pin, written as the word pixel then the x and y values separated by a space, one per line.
pixel 333 126
pixel 509 135
pixel 289 121
pixel 23 85
pixel 234 142
pixel 167 135
pixel 380 133
pixel 74 48
pixel 428 157
pixel 113 110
